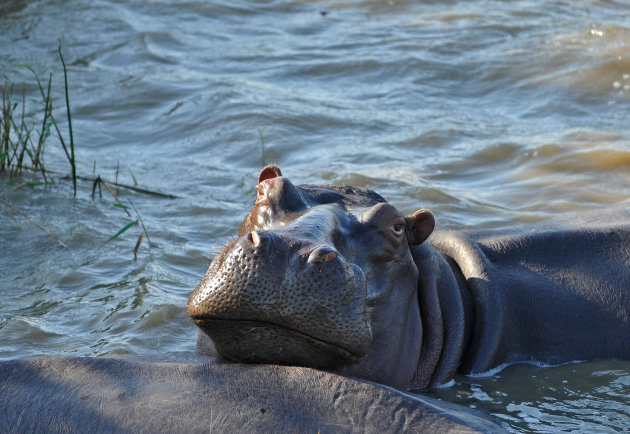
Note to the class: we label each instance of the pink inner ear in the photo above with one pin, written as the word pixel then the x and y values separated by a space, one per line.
pixel 269 172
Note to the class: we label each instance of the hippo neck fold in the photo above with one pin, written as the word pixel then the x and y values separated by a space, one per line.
pixel 447 316
pixel 473 270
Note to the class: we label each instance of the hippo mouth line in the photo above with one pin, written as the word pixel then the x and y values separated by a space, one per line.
pixel 256 341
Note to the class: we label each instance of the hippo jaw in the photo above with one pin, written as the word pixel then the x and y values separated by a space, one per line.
pixel 262 301
pixel 263 342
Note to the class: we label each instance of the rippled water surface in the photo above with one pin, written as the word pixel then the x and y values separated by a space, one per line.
pixel 491 113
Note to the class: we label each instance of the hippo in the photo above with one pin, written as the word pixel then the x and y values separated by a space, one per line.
pixel 333 277
pixel 103 394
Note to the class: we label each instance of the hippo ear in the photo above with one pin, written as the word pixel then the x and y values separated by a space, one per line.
pixel 420 225
pixel 268 172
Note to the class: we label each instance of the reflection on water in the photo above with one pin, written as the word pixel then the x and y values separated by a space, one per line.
pixel 491 113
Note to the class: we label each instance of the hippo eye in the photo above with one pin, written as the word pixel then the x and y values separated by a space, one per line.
pixel 398 228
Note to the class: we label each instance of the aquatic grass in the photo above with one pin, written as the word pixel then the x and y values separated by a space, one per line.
pixel 123 230
pixel 98 181
pixel 22 147
pixel 125 208
pixel 117 172
pixel 18 144
pixel 17 135
pixel 17 138
pixel 143 234
pixel 262 147
pixel 130 225
pixel 70 157
pixel 128 187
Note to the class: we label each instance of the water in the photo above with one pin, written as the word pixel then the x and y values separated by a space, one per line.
pixel 587 397
pixel 492 114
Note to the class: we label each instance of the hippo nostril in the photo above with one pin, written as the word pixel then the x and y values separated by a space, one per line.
pixel 329 256
pixel 322 254
pixel 254 238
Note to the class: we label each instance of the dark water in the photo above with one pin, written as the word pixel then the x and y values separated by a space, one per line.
pixel 491 113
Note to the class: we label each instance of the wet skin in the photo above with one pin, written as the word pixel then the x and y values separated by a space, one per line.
pixel 63 394
pixel 334 277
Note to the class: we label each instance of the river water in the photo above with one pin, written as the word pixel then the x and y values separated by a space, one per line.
pixel 493 114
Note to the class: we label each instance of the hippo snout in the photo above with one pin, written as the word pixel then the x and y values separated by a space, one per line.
pixel 271 298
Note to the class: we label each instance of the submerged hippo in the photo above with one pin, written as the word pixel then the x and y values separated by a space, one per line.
pixel 334 277
pixel 94 395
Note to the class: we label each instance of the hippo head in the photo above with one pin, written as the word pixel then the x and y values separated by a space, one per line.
pixel 319 276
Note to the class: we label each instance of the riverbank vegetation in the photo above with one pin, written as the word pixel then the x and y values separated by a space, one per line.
pixel 26 132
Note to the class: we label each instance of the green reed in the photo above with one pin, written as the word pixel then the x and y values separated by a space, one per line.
pixel 22 147
pixel 22 144
pixel 262 148
pixel 71 156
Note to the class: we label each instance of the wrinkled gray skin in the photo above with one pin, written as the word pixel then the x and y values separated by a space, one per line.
pixel 335 278
pixel 91 395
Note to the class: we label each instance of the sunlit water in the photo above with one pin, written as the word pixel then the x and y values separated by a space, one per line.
pixel 491 113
